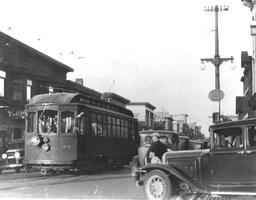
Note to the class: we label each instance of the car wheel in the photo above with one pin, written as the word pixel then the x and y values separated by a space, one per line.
pixel 17 170
pixel 157 185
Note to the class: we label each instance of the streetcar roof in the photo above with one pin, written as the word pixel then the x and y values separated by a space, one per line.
pixel 238 123
pixel 53 98
pixel 67 98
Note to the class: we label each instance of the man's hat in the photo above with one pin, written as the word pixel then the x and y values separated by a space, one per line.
pixel 155 134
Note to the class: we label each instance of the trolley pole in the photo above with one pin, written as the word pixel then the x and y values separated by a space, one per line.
pixel 217 94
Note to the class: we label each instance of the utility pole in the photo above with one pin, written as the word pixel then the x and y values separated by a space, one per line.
pixel 217 94
pixel 252 5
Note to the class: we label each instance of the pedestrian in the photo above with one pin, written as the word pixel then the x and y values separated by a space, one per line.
pixel 156 149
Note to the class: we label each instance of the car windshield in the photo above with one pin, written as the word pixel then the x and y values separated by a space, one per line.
pixel 148 139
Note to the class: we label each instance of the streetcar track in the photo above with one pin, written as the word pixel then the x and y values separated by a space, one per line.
pixel 58 180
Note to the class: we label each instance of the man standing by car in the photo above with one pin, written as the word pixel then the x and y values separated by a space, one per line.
pixel 156 149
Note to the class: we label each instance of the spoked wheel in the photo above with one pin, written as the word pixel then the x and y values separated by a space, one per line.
pixel 157 186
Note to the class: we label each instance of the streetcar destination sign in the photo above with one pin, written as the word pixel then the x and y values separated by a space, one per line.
pixel 216 95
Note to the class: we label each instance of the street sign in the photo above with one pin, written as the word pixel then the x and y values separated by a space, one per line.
pixel 216 95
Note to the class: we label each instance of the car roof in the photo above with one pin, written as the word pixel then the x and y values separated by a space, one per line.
pixel 161 132
pixel 251 121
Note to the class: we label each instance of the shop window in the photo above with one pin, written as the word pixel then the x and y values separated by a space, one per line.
pixel 2 81
pixel 29 89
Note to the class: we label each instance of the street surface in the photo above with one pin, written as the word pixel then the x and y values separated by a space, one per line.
pixel 115 184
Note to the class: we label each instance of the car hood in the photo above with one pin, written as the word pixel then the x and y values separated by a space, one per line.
pixel 186 153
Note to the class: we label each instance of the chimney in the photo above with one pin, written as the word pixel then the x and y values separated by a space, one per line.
pixel 80 81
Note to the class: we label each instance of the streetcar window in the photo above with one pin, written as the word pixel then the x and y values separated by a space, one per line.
pixel 81 123
pixel 114 127
pixel 109 127
pixel 96 124
pixel 99 125
pixel 31 122
pixel 104 125
pixel 122 128
pixel 47 121
pixel 126 129
pixel 67 122
pixel 118 127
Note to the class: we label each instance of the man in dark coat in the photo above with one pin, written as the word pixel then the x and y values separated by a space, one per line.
pixel 156 149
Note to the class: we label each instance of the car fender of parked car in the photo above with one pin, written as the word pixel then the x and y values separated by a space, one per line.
pixel 176 174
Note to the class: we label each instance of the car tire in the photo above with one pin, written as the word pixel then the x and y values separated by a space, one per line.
pixel 157 185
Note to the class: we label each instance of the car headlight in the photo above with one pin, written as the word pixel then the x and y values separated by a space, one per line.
pixel 4 156
pixel 46 147
pixel 17 155
pixel 45 139
pixel 35 141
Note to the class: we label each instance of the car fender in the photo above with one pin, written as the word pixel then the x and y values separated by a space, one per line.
pixel 178 174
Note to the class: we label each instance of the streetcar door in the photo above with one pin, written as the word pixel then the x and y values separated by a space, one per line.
pixel 82 134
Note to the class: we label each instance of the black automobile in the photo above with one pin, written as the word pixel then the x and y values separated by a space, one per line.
pixel 13 157
pixel 227 168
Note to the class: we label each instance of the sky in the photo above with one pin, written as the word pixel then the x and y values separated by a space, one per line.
pixel 143 50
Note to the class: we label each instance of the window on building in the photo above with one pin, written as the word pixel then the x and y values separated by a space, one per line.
pixel 29 89
pixel 50 89
pixel 2 80
pixel 17 89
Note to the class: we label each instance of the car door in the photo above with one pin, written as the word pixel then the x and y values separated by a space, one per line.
pixel 227 157
pixel 250 156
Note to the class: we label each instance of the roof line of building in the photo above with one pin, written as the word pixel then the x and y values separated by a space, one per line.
pixel 69 69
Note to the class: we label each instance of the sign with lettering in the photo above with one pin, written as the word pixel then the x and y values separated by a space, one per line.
pixel 216 95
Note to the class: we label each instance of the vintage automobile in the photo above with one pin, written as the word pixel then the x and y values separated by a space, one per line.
pixel 227 168
pixel 13 157
pixel 173 142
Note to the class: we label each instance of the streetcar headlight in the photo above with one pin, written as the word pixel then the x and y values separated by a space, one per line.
pixel 45 147
pixel 4 156
pixel 35 141
pixel 45 139
pixel 17 155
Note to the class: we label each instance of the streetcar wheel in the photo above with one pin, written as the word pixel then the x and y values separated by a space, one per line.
pixel 27 168
pixel 17 170
pixel 157 186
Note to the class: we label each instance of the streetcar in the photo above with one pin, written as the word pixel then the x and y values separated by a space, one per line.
pixel 70 131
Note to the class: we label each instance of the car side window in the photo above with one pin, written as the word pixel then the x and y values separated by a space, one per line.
pixel 231 138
